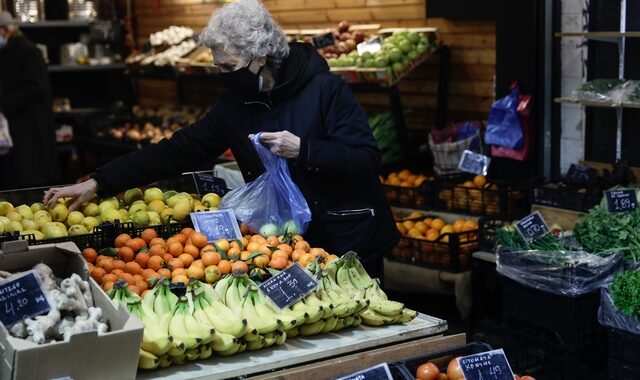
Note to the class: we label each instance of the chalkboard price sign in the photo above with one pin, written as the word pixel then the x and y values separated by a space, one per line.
pixel 621 200
pixel 475 163
pixel 21 297
pixel 289 286
pixel 379 372
pixel 532 226
pixel 208 183
pixel 490 365
pixel 216 224
pixel 324 40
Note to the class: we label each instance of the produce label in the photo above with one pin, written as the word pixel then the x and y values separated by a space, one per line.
pixel 21 297
pixel 580 175
pixel 208 183
pixel 475 163
pixel 490 365
pixel 621 200
pixel 379 372
pixel 372 46
pixel 532 226
pixel 289 286
pixel 216 224
pixel 324 40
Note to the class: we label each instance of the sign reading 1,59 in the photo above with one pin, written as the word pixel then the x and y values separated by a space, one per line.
pixel 621 200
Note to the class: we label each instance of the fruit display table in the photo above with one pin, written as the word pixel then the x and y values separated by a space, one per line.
pixel 299 351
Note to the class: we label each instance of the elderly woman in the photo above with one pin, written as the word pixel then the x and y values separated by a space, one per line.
pixel 306 114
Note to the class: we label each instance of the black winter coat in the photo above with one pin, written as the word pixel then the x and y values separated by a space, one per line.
pixel 25 100
pixel 337 169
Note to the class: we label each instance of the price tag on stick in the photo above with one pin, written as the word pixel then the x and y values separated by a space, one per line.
pixel 621 200
pixel 289 286
pixel 490 365
pixel 208 183
pixel 216 224
pixel 475 163
pixel 324 40
pixel 532 226
pixel 22 297
pixel 379 372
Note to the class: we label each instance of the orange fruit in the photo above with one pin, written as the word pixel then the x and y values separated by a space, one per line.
pixel 195 272
pixel 117 272
pixel 427 221
pixel 133 288
pixel 222 244
pixel 192 250
pixel 401 228
pixel 278 262
pixel 244 242
pixel 198 263
pixel 167 257
pixel 164 272
pixel 257 239
pixel 280 253
pixel 187 231
pixel 244 255
pixel 138 277
pixel 175 248
pixel 302 245
pixel 469 225
pixel 330 258
pixel 306 259
pixel 128 277
pixel 148 234
pixel 121 240
pixel 132 268
pixel 479 181
pixel 149 273
pixel 432 235
pixel 437 224
pixel 156 250
pixel 233 253
pixel 109 277
pixel 181 238
pixel 253 247
pixel 244 229
pixel 107 286
pixel 157 241
pixel 210 258
pixel 318 252
pixel 175 263
pixel 199 240
pixel 224 266
pixel 273 241
pixel 180 278
pixel 297 254
pixel 131 244
pixel 240 265
pixel 118 264
pixel 286 248
pixel 447 229
pixel 89 255
pixel 261 261
pixel 98 274
pixel 178 272
pixel 142 259
pixel 142 285
pixel 126 253
pixel 457 225
pixel 187 259
pixel 107 265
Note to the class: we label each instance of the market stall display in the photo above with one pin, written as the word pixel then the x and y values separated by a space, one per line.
pixel 407 189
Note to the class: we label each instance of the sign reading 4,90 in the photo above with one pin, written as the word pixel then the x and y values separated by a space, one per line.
pixel 216 225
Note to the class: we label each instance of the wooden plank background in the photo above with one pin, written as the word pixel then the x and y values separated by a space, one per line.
pixel 472 46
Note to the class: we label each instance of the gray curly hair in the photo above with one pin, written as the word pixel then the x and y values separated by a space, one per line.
pixel 246 27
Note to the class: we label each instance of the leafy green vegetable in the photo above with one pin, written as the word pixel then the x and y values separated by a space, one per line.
pixel 625 292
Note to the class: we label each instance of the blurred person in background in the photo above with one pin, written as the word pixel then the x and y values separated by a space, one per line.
pixel 25 101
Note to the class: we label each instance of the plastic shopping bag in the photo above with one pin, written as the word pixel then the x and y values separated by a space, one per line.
pixel 6 143
pixel 504 128
pixel 522 154
pixel 271 204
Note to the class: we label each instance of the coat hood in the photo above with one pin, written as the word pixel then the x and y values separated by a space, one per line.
pixel 302 64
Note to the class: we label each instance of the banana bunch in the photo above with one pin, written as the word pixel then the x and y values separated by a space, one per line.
pixel 355 282
pixel 160 299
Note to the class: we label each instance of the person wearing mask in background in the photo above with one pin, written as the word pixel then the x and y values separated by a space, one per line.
pixel 306 114
pixel 25 101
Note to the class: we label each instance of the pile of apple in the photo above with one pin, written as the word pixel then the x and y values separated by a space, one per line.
pixel 346 41
pixel 398 50
pixel 148 208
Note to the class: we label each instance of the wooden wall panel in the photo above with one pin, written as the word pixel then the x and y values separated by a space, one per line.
pixel 472 46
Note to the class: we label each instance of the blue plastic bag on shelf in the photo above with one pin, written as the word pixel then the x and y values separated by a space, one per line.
pixel 504 128
pixel 271 204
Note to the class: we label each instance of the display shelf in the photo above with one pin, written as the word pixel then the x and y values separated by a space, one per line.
pixel 300 350
pixel 55 24
pixel 613 37
pixel 596 103
pixel 85 68
pixel 78 112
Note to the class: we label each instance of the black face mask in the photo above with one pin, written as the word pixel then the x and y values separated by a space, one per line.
pixel 242 81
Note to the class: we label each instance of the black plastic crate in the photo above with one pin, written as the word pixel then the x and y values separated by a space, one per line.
pixel 569 198
pixel 487 226
pixel 164 231
pixel 101 237
pixel 622 370
pixel 442 358
pixel 409 197
pixel 573 316
pixel 456 193
pixel 624 347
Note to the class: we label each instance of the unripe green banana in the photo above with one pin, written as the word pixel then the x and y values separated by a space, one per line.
pixel 147 360
pixel 270 339
pixel 222 341
pixel 330 325
pixel 192 354
pixel 256 345
pixel 178 329
pixel 165 361
pixel 205 352
pixel 371 318
pixel 281 337
pixel 179 359
pixel 234 349
pixel 251 335
pixel 407 315
pixel 292 333
pixel 312 328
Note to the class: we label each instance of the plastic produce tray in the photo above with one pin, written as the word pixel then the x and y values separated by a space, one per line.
pixel 409 197
pixel 566 198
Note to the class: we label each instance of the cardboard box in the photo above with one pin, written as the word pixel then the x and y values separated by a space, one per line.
pixel 113 355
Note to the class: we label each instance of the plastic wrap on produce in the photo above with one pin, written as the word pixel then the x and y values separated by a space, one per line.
pixel 568 273
pixel 610 316
pixel 628 92
pixel 598 89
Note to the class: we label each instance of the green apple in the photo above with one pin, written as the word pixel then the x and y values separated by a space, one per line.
pixel 75 217
pixel 15 227
pixel 166 215
pixel 114 201
pixel 5 222
pixel 91 209
pixel 42 217
pixel 137 207
pixel 14 216
pixel 90 222
pixel 24 211
pixel 268 229
pixel 290 227
pixel 124 215
pixel 181 210
pixel 59 212
pixel 77 229
pixel 132 195
pixel 140 219
pixel 5 208
pixel 37 207
pixel 105 205
pixel 53 231
pixel 154 218
pixel 29 224
pixel 168 194
pixel 156 206
pixel 211 200
pixel 153 193
pixel 110 215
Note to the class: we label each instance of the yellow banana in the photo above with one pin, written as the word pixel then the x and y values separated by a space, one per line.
pixel 147 360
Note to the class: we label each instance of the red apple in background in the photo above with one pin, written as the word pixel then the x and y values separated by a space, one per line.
pixel 343 26
pixel 358 36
